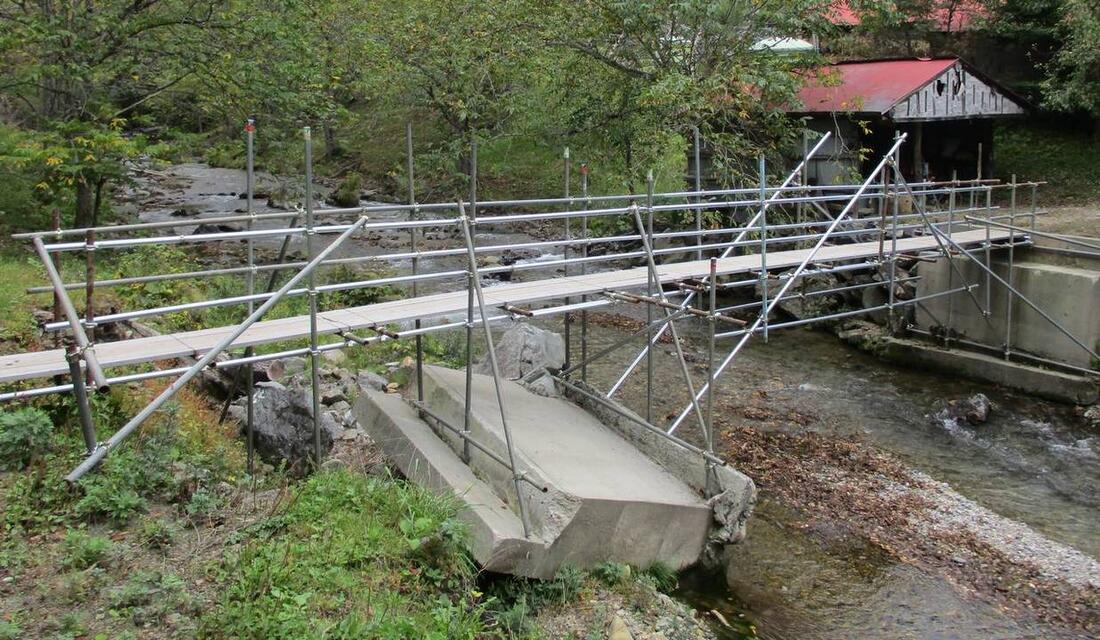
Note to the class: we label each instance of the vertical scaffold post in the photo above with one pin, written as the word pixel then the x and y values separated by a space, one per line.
pixel 647 234
pixel 1034 203
pixel 712 321
pixel 567 318
pixel 1011 265
pixel 413 215
pixel 56 215
pixel 495 367
pixel 803 182
pixel 468 409
pixel 250 279
pixel 988 252
pixel 311 285
pixel 698 199
pixel 677 344
pixel 584 270
pixel 80 394
pixel 89 284
pixel 762 169
pixel 894 167
pixel 947 256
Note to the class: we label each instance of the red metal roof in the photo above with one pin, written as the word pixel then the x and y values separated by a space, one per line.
pixel 867 87
pixel 949 15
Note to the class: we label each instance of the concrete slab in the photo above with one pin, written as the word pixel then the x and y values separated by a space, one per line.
pixel 496 534
pixel 1045 383
pixel 605 500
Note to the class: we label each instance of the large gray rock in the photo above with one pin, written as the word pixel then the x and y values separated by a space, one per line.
pixel 974 410
pixel 283 426
pixel 805 307
pixel 524 349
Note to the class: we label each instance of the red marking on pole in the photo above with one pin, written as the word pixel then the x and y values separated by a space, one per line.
pixel 250 128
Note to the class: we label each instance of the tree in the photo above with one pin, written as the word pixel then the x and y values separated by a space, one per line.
pixel 1073 81
pixel 76 68
pixel 687 63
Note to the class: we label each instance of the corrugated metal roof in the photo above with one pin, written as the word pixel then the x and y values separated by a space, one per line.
pixel 867 87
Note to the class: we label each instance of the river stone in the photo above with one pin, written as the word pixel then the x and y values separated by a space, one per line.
pixel 283 427
pixel 370 380
pixel 811 307
pixel 524 349
pixel 975 409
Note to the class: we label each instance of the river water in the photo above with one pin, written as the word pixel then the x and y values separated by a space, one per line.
pixel 1033 462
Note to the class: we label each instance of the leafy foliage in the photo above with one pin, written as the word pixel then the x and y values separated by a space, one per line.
pixel 24 434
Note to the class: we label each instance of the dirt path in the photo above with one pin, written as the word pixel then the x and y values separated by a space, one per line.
pixel 1077 221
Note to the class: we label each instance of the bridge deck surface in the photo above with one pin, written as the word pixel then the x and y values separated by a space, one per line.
pixel 39 364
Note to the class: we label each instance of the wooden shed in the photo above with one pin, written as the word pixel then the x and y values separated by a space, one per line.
pixel 945 106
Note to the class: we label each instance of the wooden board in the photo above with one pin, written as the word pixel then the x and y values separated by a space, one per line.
pixel 193 344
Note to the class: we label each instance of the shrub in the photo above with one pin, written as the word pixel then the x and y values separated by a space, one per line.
pixel 611 573
pixel 82 550
pixel 662 576
pixel 106 498
pixel 157 533
pixel 23 434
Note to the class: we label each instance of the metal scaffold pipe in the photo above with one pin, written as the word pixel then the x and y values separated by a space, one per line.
pixel 797 272
pixel 103 449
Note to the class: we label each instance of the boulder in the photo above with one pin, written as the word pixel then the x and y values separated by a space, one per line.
pixel 809 307
pixel 975 409
pixel 370 380
pixel 525 349
pixel 283 427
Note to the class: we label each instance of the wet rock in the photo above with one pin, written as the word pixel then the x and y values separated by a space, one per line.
pixel 215 228
pixel 810 306
pixel 975 409
pixel 1092 416
pixel 524 349
pixel 331 396
pixel 283 426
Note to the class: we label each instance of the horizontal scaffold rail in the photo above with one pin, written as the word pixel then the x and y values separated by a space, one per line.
pixel 41 364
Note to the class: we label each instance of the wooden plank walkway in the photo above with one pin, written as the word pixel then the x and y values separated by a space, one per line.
pixel 40 364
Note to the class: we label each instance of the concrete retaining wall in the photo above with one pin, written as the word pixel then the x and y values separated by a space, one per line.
pixel 1066 287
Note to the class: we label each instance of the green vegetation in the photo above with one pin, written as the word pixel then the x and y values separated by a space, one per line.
pixel 1062 158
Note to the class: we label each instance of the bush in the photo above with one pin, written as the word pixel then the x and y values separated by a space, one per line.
pixel 106 498
pixel 82 550
pixel 157 533
pixel 24 433
pixel 612 573
pixel 347 195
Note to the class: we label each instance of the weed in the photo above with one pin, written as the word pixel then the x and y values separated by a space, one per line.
pixel 82 550
pixel 202 505
pixel 10 630
pixel 150 596
pixel 352 556
pixel 661 576
pixel 612 574
pixel 157 533
pixel 24 433
pixel 107 498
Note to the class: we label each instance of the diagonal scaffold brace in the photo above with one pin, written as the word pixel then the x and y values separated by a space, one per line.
pixel 765 204
pixel 102 449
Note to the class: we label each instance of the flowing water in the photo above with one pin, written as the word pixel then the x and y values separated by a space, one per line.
pixel 1033 462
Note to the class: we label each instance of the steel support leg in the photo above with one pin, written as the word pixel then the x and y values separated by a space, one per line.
pixel 495 367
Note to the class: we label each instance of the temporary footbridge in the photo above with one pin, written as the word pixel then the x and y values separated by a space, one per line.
pixel 690 246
